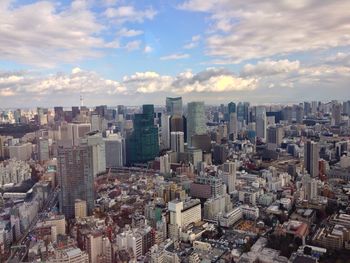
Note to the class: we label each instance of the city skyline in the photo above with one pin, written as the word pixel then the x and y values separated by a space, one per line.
pixel 131 53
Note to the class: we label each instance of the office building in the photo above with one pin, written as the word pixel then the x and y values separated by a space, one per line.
pixel 261 122
pixel 43 150
pixel 311 158
pixel 115 151
pixel 177 141
pixel 196 120
pixel 274 137
pixel 142 145
pixel 184 213
pixel 75 176
pixel 233 125
pixel 309 187
pixel 174 106
pixel 228 176
pixel 165 132
pixel 80 208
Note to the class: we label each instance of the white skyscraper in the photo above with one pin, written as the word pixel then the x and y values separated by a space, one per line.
pixel 177 141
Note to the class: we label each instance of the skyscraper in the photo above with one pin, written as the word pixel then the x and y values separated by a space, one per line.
pixel 274 137
pixel 196 123
pixel 311 157
pixel 231 107
pixel 142 145
pixel 174 106
pixel 177 141
pixel 115 151
pixel 233 125
pixel 260 115
pixel 75 176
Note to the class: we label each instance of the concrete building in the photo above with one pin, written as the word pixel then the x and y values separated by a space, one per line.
pixel 115 151
pixel 177 141
pixel 80 208
pixel 21 152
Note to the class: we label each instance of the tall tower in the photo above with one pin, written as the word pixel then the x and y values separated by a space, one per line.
pixel 75 176
pixel 177 141
pixel 196 123
pixel 174 106
pixel 311 157
pixel 142 145
pixel 260 114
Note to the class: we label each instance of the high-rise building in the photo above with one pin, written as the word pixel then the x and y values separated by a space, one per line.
pixel 231 107
pixel 59 114
pixel 177 141
pixel 311 158
pixel 115 151
pixel 142 145
pixel 80 208
pixel 336 114
pixel 261 123
pixel 75 176
pixel 243 112
pixel 196 121
pixel 233 125
pixel 43 149
pixel 229 176
pixel 274 137
pixel 165 131
pixel 174 106
pixel 309 187
pixel 95 141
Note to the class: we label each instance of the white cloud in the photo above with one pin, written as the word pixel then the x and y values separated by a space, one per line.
pixel 124 32
pixel 45 34
pixel 175 56
pixel 193 43
pixel 253 29
pixel 133 45
pixel 269 67
pixel 128 13
pixel 148 49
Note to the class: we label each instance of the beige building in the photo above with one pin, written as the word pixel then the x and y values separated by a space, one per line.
pixel 80 208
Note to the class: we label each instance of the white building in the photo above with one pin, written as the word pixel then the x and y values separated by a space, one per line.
pixel 177 141
pixel 115 150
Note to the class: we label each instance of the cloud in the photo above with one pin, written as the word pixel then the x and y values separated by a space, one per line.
pixel 147 49
pixel 210 80
pixel 175 56
pixel 57 33
pixel 253 29
pixel 269 67
pixel 128 13
pixel 279 81
pixel 193 43
pixel 341 59
pixel 124 32
pixel 133 45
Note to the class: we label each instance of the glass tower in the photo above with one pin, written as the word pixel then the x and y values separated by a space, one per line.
pixel 142 145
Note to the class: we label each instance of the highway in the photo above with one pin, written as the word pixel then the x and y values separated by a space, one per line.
pixel 20 248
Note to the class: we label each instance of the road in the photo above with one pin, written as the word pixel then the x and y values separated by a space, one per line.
pixel 20 248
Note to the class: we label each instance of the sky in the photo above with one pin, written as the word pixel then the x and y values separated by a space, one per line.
pixel 133 52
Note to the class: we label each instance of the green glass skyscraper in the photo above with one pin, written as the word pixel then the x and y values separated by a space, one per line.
pixel 142 145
